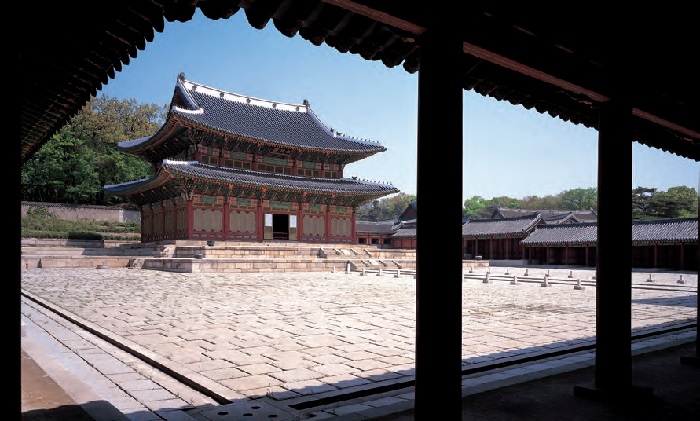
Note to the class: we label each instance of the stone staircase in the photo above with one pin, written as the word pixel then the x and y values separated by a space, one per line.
pixel 220 256
pixel 53 253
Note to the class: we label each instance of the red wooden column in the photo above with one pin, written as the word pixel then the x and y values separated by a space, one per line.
pixel 226 219
pixel 259 221
pixel 327 223
pixel 352 226
pixel 613 363
pixel 438 367
pixel 190 218
pixel 300 221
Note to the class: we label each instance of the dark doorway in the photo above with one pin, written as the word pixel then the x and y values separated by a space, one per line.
pixel 280 227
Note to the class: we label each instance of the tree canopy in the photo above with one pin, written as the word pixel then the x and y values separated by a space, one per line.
pixel 79 160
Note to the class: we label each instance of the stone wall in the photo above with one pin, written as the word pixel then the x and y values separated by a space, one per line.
pixel 85 212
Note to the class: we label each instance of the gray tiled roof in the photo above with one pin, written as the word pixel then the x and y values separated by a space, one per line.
pixel 270 121
pixel 405 232
pixel 406 229
pixel 499 228
pixel 665 230
pixel 549 216
pixel 256 178
pixel 380 227
pixel 561 234
pixel 658 231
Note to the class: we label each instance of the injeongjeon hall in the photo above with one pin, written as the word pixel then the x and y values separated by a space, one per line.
pixel 236 168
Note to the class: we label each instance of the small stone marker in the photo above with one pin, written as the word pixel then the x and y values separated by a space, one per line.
pixel 545 283
pixel 379 273
pixel 347 267
pixel 514 281
pixel 507 273
pixel 649 279
pixel 398 273
pixel 487 279
pixel 578 285
pixel 471 269
pixel 681 280
pixel 363 272
pixel 571 274
pixel 526 273
pixel 333 271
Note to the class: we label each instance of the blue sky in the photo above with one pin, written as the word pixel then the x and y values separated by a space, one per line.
pixel 508 150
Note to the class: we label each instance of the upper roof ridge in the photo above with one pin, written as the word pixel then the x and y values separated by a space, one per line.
pixel 189 85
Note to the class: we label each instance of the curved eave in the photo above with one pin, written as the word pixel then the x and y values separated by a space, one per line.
pixel 176 175
pixel 170 140
pixel 353 154
pixel 139 186
pixel 559 244
pixel 166 142
pixel 495 235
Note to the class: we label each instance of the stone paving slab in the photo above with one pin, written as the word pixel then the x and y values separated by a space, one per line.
pixel 290 338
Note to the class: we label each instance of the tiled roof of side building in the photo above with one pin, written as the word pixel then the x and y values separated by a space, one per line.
pixel 683 230
pixel 405 232
pixel 197 170
pixel 504 227
pixel 293 125
pixel 548 215
pixel 658 231
pixel 380 227
pixel 560 234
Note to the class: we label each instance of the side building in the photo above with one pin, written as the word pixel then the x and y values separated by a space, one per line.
pixel 659 243
pixel 233 167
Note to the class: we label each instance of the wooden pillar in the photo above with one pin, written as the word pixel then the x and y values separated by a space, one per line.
pixel 226 219
pixel 175 211
pixel 438 369
pixel 144 234
pixel 259 221
pixel 327 223
pixel 655 256
pixel 300 221
pixel 613 363
pixel 352 226
pixel 190 218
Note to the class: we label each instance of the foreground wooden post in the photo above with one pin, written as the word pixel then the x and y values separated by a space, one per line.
pixel 438 377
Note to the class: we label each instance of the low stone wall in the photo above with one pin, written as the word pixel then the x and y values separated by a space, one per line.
pixel 72 212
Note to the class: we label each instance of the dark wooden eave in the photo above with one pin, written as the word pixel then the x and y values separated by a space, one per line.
pixel 561 60
pixel 176 177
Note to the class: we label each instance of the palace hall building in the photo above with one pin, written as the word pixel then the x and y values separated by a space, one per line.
pixel 236 168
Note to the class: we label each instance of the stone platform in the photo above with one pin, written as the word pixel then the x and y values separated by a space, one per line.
pixel 220 256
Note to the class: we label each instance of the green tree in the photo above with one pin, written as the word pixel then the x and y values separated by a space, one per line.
pixel 579 199
pixel 676 202
pixel 387 208
pixel 475 207
pixel 75 164
pixel 642 205
pixel 62 171
pixel 505 202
